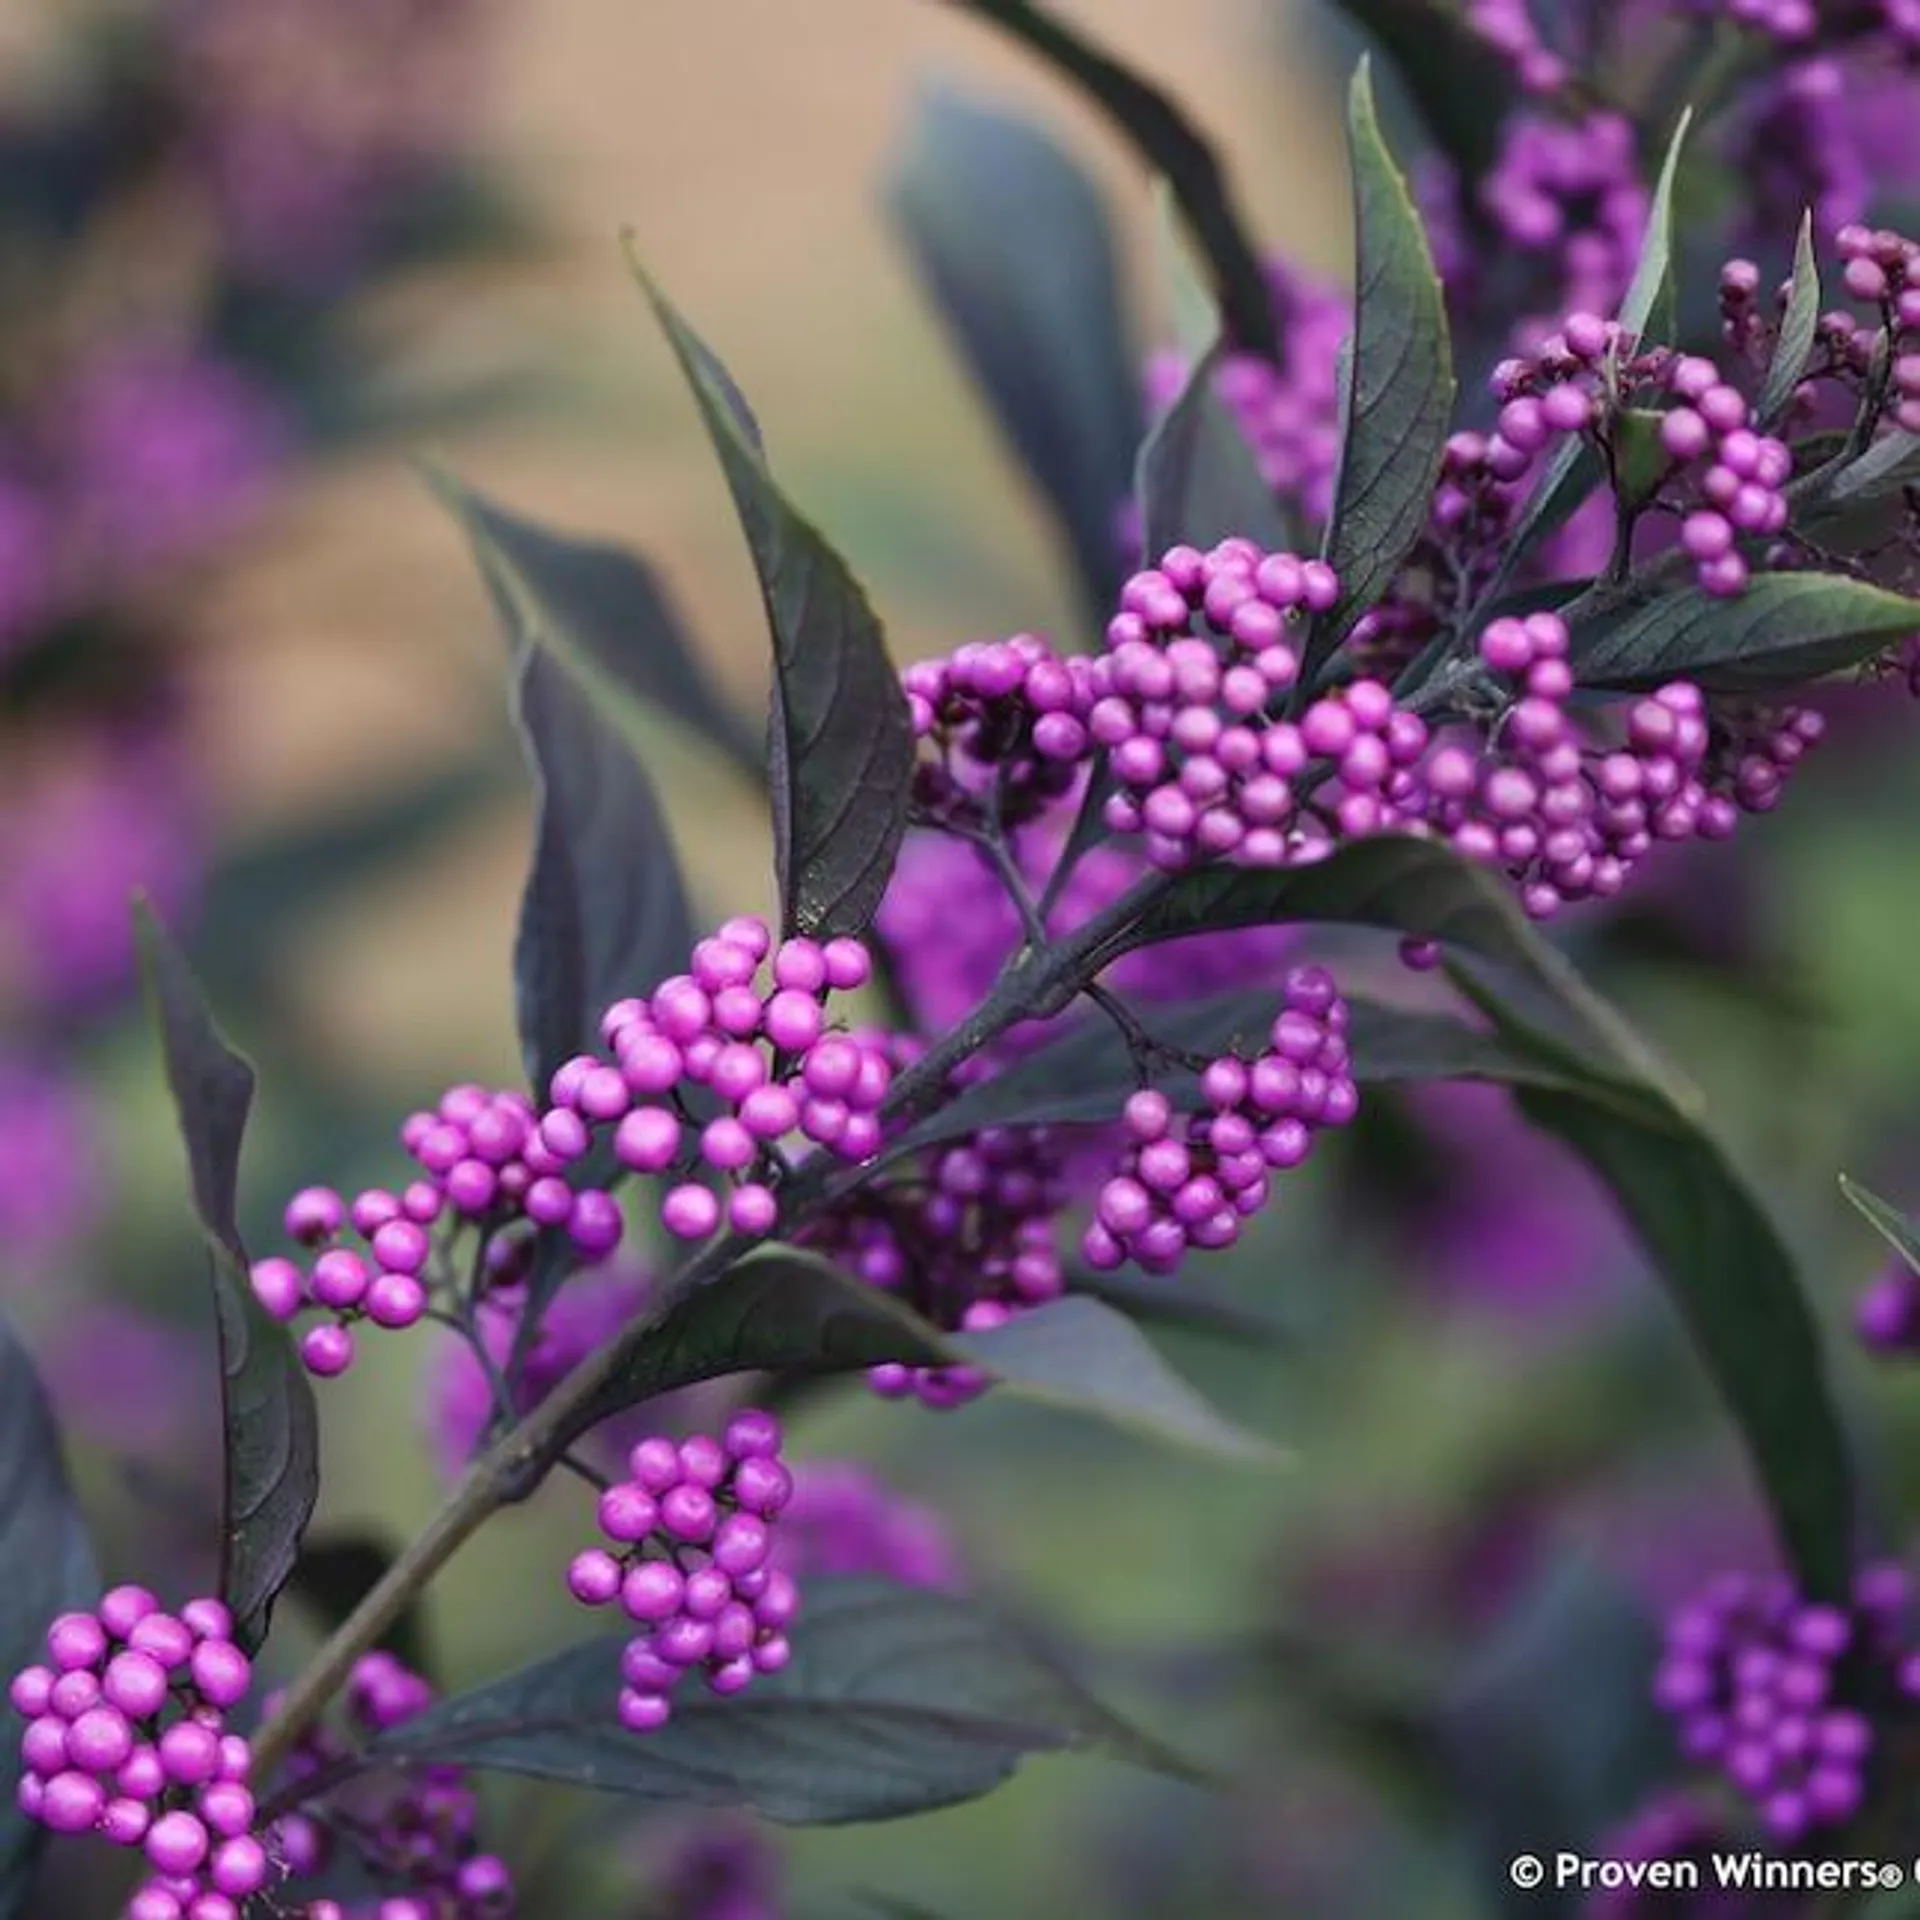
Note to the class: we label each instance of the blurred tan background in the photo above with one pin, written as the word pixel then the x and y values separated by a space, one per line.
pixel 744 142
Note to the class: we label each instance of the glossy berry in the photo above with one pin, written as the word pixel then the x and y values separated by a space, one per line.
pixel 686 1554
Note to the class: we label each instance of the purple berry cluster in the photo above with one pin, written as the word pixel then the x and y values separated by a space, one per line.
pixel 1568 822
pixel 720 1868
pixel 498 1164
pixel 329 120
pixel 1006 723
pixel 1507 26
pixel 1182 711
pixel 1570 190
pixel 1171 1192
pixel 966 1236
pixel 765 1053
pixel 1751 1676
pixel 413 1834
pixel 690 1539
pixel 1725 478
pixel 1287 403
pixel 843 1520
pixel 127 1737
pixel 384 1283
pixel 1674 1827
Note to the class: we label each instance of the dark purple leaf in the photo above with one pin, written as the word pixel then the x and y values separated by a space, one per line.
pixel 1398 395
pixel 271 1427
pixel 1012 242
pixel 840 748
pixel 897 1701
pixel 605 913
pixel 782 1310
pixel 606 613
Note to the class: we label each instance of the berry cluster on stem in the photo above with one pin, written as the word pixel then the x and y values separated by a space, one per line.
pixel 689 1542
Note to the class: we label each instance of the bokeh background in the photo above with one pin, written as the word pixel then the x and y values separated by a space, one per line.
pixel 1493 1415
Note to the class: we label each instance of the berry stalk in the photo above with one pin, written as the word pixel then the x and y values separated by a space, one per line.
pixel 521 1457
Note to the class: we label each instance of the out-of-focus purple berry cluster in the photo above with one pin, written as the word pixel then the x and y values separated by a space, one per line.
pixel 1769 1690
pixel 187 223
pixel 413 1833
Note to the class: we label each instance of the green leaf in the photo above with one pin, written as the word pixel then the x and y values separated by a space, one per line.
pixel 783 1310
pixel 1460 87
pixel 1887 1221
pixel 1737 1292
pixel 270 1424
pixel 1171 145
pixel 840 751
pixel 1653 273
pixel 335 1572
pixel 605 612
pixel 1640 461
pixel 1798 326
pixel 50 1571
pixel 1013 244
pixel 1399 388
pixel 896 1701
pixel 604 914
pixel 1785 629
pixel 1197 481
pixel 1573 472
pixel 1889 465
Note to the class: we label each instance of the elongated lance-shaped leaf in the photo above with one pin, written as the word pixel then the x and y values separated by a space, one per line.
pixel 1783 630
pixel 1886 1220
pixel 1570 475
pixel 783 1310
pixel 607 614
pixel 896 1701
pixel 840 748
pixel 1739 1296
pixel 1421 888
pixel 1197 482
pixel 270 1425
pixel 1397 401
pixel 1170 144
pixel 50 1570
pixel 1086 1075
pixel 604 914
pixel 1798 327
pixel 1014 247
pixel 1580 1072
